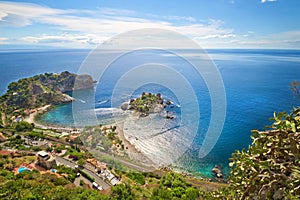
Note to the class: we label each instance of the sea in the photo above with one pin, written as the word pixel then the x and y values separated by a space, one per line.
pixel 256 85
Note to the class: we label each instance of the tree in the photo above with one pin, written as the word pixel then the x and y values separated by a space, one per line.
pixel 81 162
pixel 122 192
pixel 173 186
pixel 137 177
pixel 24 126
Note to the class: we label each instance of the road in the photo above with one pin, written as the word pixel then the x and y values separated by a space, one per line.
pixel 129 164
pixel 89 172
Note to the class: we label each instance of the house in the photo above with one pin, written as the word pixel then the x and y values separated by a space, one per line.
pixel 99 166
pixel 114 181
pixel 46 160
pixel 110 176
pixel 6 152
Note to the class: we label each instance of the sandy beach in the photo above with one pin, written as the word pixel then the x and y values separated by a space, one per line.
pixel 31 119
pixel 133 153
pixel 131 150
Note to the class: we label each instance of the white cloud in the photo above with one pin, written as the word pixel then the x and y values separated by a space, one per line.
pixel 180 18
pixel 102 22
pixel 264 1
pixel 82 41
pixel 2 15
pixel 87 28
pixel 216 36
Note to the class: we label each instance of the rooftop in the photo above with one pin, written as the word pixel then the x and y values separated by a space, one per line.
pixel 43 153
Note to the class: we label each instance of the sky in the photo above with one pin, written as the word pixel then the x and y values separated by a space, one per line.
pixel 212 24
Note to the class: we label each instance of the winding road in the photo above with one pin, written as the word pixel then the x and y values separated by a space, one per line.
pixel 98 180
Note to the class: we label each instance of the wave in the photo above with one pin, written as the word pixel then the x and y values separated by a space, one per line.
pixel 102 102
pixel 82 101
pixel 108 111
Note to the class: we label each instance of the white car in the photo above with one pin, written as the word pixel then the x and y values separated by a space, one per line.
pixel 100 188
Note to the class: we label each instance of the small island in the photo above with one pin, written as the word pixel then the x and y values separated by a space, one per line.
pixel 148 103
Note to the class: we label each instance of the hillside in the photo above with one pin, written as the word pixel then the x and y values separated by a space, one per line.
pixel 40 90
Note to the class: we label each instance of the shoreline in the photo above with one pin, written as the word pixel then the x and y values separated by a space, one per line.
pixel 31 118
pixel 132 152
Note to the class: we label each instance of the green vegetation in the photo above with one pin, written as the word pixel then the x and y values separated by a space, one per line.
pixel 9 163
pixel 137 177
pixel 32 185
pixel 35 134
pixel 77 154
pixel 113 163
pixel 24 126
pixel 68 172
pixel 146 103
pixel 173 186
pixel 86 175
pixel 38 91
pixel 103 138
pixel 270 169
pixel 122 191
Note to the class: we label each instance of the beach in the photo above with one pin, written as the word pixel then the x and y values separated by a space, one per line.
pixel 31 118
pixel 133 153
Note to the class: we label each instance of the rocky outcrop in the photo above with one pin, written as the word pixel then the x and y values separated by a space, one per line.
pixel 125 106
pixel 83 82
pixel 36 89
pixel 217 172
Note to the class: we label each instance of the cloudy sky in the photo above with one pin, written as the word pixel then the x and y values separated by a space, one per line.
pixel 212 23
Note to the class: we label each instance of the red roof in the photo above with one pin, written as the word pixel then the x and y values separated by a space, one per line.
pixel 5 152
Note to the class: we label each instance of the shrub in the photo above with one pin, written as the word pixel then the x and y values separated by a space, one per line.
pixel 137 177
pixel 270 169
pixel 24 126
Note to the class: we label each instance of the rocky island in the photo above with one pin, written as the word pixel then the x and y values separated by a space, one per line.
pixel 148 103
pixel 35 92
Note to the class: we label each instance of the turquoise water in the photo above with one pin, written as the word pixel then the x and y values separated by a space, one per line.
pixel 256 84
pixel 23 169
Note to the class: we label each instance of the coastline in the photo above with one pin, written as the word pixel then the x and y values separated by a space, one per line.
pixel 133 153
pixel 31 118
pixel 131 150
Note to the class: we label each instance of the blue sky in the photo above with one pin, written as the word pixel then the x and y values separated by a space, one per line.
pixel 211 23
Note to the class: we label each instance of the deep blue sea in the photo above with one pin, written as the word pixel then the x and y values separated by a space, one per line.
pixel 256 84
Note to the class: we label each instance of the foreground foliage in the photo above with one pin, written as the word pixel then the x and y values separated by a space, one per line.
pixel 32 185
pixel 173 186
pixel 270 169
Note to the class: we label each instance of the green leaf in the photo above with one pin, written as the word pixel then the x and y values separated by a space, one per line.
pixel 293 127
